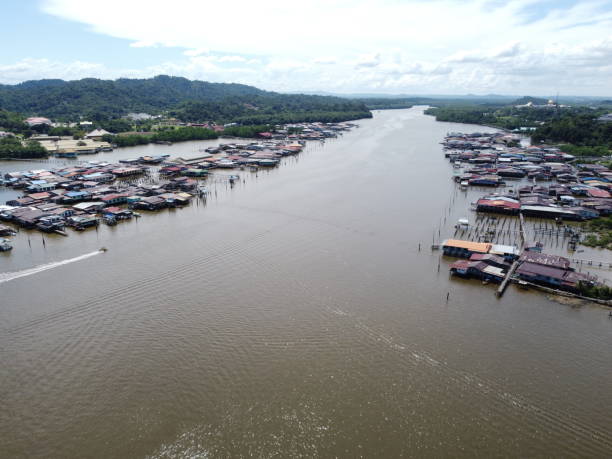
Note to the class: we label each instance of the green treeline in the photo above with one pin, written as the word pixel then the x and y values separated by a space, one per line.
pixel 170 135
pixel 502 116
pixel 385 103
pixel 506 116
pixel 577 129
pixel 13 122
pixel 602 233
pixel 128 140
pixel 602 292
pixel 247 131
pixel 103 101
pixel 578 150
pixel 462 114
pixel 272 109
pixel 185 133
pixel 12 147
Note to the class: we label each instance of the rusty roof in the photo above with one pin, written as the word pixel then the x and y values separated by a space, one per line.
pixel 482 247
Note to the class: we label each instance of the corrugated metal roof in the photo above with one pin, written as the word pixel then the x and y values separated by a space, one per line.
pixel 545 259
pixel 482 247
pixel 532 269
pixel 494 271
pixel 503 249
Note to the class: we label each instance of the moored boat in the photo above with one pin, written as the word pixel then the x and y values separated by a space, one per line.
pixel 5 245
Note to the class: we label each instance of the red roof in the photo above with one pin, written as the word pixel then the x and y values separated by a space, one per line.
pixel 110 197
pixel 460 264
pixel 498 203
pixel 598 193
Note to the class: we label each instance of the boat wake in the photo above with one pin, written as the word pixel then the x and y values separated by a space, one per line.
pixel 6 277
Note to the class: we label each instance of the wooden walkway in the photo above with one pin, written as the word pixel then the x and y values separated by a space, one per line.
pixel 510 273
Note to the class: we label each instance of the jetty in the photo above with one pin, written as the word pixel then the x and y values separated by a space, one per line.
pixel 515 264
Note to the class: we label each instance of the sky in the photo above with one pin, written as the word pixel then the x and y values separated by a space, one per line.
pixel 520 47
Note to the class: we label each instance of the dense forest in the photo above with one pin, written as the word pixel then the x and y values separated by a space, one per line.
pixel 577 129
pixel 601 233
pixel 470 114
pixel 184 133
pixel 13 122
pixel 503 116
pixel 12 147
pixel 385 103
pixel 103 100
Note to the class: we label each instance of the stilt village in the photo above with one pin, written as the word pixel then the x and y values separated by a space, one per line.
pixel 540 194
pixel 86 194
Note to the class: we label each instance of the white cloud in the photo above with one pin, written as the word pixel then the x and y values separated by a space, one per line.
pixel 368 60
pixel 196 52
pixel 396 46
pixel 232 59
pixel 143 44
pixel 325 60
pixel 33 69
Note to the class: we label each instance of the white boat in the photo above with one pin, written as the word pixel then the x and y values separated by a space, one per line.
pixel 462 223
pixel 5 245
pixel 226 164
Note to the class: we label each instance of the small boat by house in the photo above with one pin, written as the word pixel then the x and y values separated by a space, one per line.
pixel 50 224
pixel 7 231
pixel 109 220
pixel 5 245
pixel 462 223
pixel 226 164
pixel 153 159
pixel 81 223
pixel 268 162
pixel 68 154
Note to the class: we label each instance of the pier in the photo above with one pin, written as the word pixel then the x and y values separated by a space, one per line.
pixel 515 264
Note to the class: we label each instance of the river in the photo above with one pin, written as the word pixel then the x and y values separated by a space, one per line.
pixel 294 315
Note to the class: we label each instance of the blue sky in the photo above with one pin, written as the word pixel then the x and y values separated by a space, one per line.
pixel 39 35
pixel 376 46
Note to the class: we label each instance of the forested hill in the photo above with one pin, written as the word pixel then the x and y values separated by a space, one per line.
pixel 189 100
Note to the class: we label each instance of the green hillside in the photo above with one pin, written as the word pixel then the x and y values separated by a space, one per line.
pixel 188 100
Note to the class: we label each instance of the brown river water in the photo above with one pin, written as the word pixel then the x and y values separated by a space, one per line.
pixel 293 315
